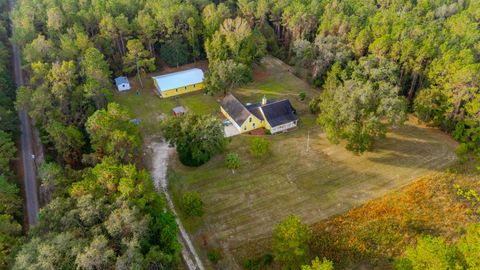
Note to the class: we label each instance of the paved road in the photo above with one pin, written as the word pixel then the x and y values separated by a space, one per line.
pixel 29 177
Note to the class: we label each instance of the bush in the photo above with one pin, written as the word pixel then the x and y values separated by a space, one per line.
pixel 214 255
pixel 192 204
pixel 232 161
pixel 258 263
pixel 259 147
pixel 430 253
pixel 462 150
pixel 290 242
pixel 314 105
pixel 302 96
pixel 182 131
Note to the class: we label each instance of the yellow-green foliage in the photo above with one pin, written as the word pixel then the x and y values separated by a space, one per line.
pixel 319 265
pixel 381 229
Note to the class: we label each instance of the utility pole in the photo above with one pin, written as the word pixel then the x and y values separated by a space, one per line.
pixel 308 140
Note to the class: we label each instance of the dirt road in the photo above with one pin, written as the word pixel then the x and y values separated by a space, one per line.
pixel 28 162
pixel 161 152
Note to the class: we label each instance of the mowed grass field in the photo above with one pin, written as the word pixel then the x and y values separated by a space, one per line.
pixel 326 180
pixel 151 109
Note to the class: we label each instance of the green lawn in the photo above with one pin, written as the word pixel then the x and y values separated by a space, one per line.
pixel 150 108
pixel 326 180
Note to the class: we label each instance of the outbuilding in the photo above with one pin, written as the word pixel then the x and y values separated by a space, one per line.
pixel 178 83
pixel 122 84
pixel 177 111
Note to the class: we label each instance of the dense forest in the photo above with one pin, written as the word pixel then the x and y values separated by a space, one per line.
pixel 100 208
pixel 431 48
pixel 11 216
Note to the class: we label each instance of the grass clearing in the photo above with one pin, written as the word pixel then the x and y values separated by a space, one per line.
pixel 243 208
pixel 327 180
pixel 151 109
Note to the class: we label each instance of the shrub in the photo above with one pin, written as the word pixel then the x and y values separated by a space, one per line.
pixel 214 255
pixel 192 204
pixel 232 161
pixel 302 96
pixel 319 265
pixel 314 105
pixel 430 253
pixel 290 242
pixel 259 147
pixel 258 263
pixel 183 131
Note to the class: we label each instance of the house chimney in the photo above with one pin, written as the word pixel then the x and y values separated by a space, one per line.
pixel 264 100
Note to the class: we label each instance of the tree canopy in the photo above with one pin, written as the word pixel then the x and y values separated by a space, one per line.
pixel 362 104
pixel 196 137
pixel 112 133
pixel 290 242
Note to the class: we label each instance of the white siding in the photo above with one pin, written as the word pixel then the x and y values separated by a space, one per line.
pixel 284 127
pixel 123 87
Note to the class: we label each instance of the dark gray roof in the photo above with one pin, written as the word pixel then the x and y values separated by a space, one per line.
pixel 279 113
pixel 276 112
pixel 235 109
pixel 254 108
pixel 256 111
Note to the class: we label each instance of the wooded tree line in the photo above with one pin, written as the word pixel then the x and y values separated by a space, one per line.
pixel 433 46
pixel 72 50
pixel 105 216
pixel 421 54
pixel 10 200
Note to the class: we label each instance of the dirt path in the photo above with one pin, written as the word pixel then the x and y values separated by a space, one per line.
pixel 161 152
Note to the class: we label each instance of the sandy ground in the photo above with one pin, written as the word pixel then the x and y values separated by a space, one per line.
pixel 160 153
pixel 231 131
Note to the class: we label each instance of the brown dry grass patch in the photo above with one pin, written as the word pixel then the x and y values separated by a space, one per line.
pixel 379 230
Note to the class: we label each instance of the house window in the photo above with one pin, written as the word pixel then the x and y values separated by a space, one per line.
pixel 194 86
pixel 245 128
pixel 253 125
pixel 185 88
pixel 250 120
pixel 176 90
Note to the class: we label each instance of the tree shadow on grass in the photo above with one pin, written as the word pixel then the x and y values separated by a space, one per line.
pixel 405 149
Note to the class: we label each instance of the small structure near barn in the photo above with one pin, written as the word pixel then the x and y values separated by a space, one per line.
pixel 275 116
pixel 177 111
pixel 180 82
pixel 135 121
pixel 122 84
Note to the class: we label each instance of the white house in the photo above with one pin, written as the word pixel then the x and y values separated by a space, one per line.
pixel 122 84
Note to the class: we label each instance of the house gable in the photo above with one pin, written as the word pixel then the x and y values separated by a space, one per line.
pixel 235 109
pixel 279 116
pixel 273 115
pixel 251 123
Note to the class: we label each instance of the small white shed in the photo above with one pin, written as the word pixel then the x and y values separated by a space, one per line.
pixel 122 84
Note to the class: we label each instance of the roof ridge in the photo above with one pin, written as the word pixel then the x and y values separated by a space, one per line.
pixel 276 101
pixel 176 72
pixel 238 100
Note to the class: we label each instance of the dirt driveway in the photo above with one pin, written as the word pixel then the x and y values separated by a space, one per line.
pixel 231 131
